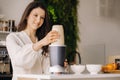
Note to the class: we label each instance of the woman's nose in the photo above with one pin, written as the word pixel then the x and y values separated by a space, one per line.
pixel 38 20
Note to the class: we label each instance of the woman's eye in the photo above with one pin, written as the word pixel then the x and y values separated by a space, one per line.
pixel 35 15
pixel 42 17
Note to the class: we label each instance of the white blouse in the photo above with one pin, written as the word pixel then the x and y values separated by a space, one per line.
pixel 24 59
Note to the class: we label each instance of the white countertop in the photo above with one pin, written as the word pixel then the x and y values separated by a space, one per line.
pixel 69 76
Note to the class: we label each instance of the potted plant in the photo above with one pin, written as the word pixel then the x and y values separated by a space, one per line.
pixel 64 12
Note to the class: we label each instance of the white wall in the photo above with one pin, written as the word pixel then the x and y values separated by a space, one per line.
pixel 99 35
pixel 98 30
pixel 13 9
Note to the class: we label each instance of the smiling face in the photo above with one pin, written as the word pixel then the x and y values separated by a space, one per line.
pixel 36 18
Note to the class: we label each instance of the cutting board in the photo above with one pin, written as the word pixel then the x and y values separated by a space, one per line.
pixel 112 71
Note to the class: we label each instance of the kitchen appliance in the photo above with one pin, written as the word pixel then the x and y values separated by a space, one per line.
pixel 57 52
pixel 5 64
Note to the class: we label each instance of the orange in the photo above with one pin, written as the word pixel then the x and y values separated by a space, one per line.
pixel 110 67
pixel 114 66
pixel 104 68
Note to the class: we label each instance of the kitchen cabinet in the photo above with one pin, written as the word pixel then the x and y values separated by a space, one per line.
pixel 5 64
pixel 5 76
pixel 3 35
pixel 68 77
pixel 108 8
pixel 105 7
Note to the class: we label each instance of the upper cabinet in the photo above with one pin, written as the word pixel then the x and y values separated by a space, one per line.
pixel 12 10
pixel 110 8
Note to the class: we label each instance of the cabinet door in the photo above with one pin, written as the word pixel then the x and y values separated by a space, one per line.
pixel 106 7
pixel 5 78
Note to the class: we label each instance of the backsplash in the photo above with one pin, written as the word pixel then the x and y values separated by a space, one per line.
pixel 3 36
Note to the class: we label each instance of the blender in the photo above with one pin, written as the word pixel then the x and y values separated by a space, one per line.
pixel 57 52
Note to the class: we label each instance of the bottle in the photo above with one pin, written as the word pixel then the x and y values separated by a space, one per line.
pixel 12 27
pixel 117 61
pixel 1 23
pixel 9 24
pixel 67 67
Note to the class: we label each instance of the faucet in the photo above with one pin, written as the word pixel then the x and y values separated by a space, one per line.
pixel 79 57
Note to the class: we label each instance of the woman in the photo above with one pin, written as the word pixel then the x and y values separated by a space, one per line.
pixel 28 47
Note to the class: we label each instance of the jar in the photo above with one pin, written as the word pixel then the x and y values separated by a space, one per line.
pixel 118 63
pixel 12 27
pixel 4 26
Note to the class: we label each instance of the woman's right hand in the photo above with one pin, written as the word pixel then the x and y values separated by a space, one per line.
pixel 51 37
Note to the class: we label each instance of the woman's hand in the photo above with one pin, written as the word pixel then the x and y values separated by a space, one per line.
pixel 51 37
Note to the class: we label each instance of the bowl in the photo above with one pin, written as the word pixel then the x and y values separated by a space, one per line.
pixel 94 68
pixel 77 69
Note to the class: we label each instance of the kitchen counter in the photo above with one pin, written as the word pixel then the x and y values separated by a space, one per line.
pixel 5 75
pixel 69 77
